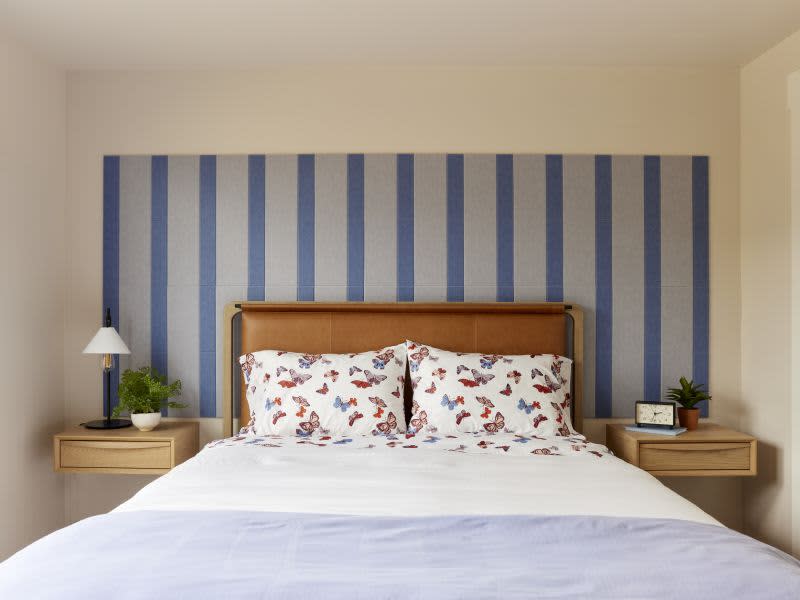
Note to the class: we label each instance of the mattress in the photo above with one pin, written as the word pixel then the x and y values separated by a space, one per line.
pixel 400 516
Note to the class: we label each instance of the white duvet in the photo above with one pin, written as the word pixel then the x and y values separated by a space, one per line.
pixel 424 475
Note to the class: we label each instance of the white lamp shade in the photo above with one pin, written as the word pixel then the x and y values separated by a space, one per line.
pixel 106 341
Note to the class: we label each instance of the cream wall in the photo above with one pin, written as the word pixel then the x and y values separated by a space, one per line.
pixel 766 288
pixel 32 293
pixel 663 111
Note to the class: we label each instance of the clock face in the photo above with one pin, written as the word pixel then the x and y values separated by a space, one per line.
pixel 655 414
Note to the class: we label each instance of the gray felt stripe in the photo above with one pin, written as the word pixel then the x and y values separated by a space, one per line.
pixel 380 227
pixel 330 230
pixel 480 228
pixel 183 279
pixel 579 257
pixel 676 269
pixel 627 247
pixel 430 225
pixel 134 260
pixel 281 228
pixel 530 255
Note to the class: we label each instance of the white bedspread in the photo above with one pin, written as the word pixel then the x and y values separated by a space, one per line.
pixel 478 474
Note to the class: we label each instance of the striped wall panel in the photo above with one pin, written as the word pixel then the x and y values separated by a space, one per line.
pixel 626 237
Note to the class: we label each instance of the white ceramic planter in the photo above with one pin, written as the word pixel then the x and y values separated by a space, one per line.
pixel 146 421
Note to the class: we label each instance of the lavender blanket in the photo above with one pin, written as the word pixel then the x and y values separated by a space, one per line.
pixel 228 554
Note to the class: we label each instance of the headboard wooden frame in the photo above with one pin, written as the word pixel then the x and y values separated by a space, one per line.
pixel 318 327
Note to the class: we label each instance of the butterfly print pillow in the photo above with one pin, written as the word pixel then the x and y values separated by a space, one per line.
pixel 308 394
pixel 457 392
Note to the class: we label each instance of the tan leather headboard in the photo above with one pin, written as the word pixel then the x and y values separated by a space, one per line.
pixel 501 328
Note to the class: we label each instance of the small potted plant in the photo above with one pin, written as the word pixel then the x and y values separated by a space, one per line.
pixel 688 395
pixel 143 394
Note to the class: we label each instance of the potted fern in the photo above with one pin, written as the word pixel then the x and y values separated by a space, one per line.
pixel 143 393
pixel 688 395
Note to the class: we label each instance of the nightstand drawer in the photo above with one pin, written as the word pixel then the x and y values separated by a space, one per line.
pixel 695 456
pixel 114 454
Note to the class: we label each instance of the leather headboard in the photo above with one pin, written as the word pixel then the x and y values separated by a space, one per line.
pixel 315 328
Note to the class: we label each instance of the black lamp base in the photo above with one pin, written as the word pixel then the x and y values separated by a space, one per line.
pixel 108 424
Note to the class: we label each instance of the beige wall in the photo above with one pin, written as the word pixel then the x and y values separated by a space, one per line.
pixel 766 287
pixel 32 263
pixel 664 111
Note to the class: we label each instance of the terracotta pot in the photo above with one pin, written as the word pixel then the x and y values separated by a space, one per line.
pixel 687 417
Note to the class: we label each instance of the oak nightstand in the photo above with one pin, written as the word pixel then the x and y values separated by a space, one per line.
pixel 710 451
pixel 128 450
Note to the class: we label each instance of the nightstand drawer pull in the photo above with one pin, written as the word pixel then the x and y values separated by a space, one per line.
pixel 111 454
pixel 699 456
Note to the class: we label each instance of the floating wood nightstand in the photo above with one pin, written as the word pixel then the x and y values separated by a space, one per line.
pixel 709 451
pixel 127 451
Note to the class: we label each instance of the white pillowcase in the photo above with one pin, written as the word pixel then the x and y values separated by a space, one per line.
pixel 347 394
pixel 456 392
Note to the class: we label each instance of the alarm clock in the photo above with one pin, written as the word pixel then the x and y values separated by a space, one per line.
pixel 655 414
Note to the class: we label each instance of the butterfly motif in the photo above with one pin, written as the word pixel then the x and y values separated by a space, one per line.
pixel 302 403
pixel 355 417
pixel 369 380
pixel 379 362
pixel 461 416
pixel 308 427
pixel 563 430
pixel 488 360
pixel 343 441
pixel 297 379
pixel 528 408
pixel 396 392
pixel 414 407
pixel 515 375
pixel 414 382
pixel 496 425
pixel 334 375
pixel 389 424
pixel 269 404
pixel 419 421
pixel 307 360
pixel 596 453
pixel 248 361
pixel 432 389
pixel 485 401
pixel 354 369
pixel 542 451
pixel 503 448
pixel 323 389
pixel 344 406
pixel 538 419
pixel 440 373
pixel 506 391
pixel 550 385
pixel 460 368
pixel 277 417
pixel 482 378
pixel 451 404
pixel 484 444
pixel 280 370
pixel 379 406
pixel 266 378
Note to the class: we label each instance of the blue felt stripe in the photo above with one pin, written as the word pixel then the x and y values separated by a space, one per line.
pixel 455 227
pixel 652 278
pixel 208 282
pixel 305 227
pixel 700 272
pixel 603 287
pixel 405 227
pixel 505 227
pixel 159 166
pixel 111 258
pixel 554 183
pixel 256 211
pixel 355 227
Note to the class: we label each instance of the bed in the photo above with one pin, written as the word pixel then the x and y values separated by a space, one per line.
pixel 401 516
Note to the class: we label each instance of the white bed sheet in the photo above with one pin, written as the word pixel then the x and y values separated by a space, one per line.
pixel 479 474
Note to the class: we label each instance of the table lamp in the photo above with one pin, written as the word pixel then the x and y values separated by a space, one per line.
pixel 107 342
